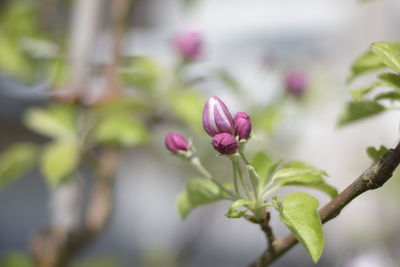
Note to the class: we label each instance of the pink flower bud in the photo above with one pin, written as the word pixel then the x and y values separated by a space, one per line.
pixel 296 83
pixel 176 142
pixel 225 143
pixel 242 125
pixel 217 118
pixel 189 45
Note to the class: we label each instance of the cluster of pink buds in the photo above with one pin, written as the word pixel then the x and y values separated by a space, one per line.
pixel 219 124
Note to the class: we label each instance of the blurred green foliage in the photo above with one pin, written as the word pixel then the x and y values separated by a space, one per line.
pixel 368 101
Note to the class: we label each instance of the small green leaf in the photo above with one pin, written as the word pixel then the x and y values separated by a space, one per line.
pixel 183 204
pixel 56 121
pixel 261 162
pixel 374 153
pixel 299 212
pixel 202 191
pixel 388 54
pixel 365 63
pixel 233 211
pixel 390 79
pixel 310 181
pixel 298 173
pixel 355 111
pixel 297 168
pixel 120 129
pixel 15 161
pixel 359 93
pixel 393 96
pixel 59 160
pixel 199 191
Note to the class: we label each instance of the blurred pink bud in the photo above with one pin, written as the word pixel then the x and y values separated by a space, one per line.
pixel 189 45
pixel 296 83
pixel 217 118
pixel 176 142
pixel 225 143
pixel 242 125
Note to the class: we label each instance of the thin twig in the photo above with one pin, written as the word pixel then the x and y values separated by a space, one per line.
pixel 374 177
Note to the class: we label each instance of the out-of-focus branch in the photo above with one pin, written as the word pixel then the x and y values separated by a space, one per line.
pixel 56 246
pixel 374 177
pixel 84 25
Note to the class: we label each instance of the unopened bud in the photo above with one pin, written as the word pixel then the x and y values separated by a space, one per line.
pixel 242 125
pixel 217 118
pixel 296 83
pixel 176 142
pixel 225 143
pixel 189 45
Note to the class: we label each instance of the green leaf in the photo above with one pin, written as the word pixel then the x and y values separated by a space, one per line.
pixel 390 79
pixel 233 211
pixel 15 161
pixel 359 93
pixel 120 129
pixel 393 96
pixel 261 162
pixel 310 181
pixel 16 259
pixel 365 63
pixel 297 168
pixel 59 160
pixel 202 191
pixel 376 154
pixel 56 121
pixel 298 173
pixel 183 204
pixel 388 54
pixel 199 191
pixel 299 212
pixel 355 111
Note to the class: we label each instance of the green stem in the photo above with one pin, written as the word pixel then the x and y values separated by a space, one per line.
pixel 199 167
pixel 245 187
pixel 235 178
pixel 244 158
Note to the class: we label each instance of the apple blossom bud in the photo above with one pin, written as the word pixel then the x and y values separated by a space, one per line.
pixel 225 143
pixel 242 125
pixel 176 142
pixel 217 118
pixel 189 45
pixel 296 83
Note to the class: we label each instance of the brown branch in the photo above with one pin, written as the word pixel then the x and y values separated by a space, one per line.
pixel 54 246
pixel 374 177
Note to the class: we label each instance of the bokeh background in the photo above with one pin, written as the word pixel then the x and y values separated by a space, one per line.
pixel 248 50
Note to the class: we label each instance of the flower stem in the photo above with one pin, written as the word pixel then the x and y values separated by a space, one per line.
pixel 245 187
pixel 235 178
pixel 199 167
